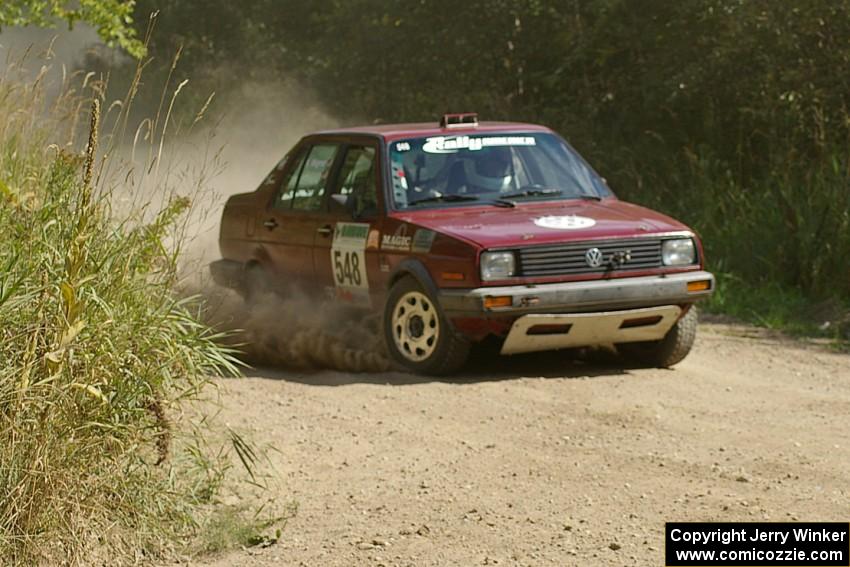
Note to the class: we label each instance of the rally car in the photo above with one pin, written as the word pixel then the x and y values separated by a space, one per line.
pixel 458 231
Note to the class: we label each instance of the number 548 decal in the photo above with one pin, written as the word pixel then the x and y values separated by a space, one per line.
pixel 347 268
pixel 348 260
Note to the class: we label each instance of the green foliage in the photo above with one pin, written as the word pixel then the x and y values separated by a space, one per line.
pixel 113 19
pixel 781 307
pixel 791 229
pixel 231 527
pixel 97 361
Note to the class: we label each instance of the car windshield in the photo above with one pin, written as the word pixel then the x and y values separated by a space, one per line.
pixel 463 170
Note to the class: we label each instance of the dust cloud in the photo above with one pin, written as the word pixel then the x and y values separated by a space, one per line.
pixel 297 331
pixel 293 329
pixel 233 155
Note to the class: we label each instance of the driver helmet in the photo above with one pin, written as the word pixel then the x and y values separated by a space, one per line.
pixel 489 168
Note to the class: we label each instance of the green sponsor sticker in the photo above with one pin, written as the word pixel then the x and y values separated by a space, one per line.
pixel 358 231
pixel 423 239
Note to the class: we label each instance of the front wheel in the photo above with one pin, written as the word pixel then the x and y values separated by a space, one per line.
pixel 417 334
pixel 670 350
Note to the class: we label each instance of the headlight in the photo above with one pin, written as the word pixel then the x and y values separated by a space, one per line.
pixel 679 252
pixel 497 265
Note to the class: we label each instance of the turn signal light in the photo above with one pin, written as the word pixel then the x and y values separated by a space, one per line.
pixel 701 285
pixel 453 276
pixel 491 302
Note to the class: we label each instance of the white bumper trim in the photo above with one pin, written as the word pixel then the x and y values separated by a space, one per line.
pixel 588 329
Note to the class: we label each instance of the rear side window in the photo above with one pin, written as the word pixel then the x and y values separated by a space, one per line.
pixel 283 199
pixel 273 178
pixel 309 189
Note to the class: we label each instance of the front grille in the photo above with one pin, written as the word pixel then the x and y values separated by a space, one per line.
pixel 569 259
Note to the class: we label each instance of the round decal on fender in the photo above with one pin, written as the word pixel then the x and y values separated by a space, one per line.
pixel 568 222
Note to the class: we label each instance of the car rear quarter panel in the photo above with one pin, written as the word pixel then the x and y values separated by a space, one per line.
pixel 238 231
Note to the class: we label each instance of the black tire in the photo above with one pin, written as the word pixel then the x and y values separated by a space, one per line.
pixel 670 350
pixel 445 355
pixel 255 284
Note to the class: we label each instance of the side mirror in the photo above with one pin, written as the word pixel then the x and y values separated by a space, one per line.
pixel 342 203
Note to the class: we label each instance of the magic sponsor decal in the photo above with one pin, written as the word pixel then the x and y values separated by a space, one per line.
pixel 399 240
pixel 395 242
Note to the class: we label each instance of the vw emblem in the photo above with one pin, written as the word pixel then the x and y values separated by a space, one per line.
pixel 593 257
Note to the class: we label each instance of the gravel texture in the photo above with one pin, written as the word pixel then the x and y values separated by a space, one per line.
pixel 543 460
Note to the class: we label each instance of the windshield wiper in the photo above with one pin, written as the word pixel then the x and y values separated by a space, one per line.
pixel 459 198
pixel 545 192
pixel 443 198
pixel 531 193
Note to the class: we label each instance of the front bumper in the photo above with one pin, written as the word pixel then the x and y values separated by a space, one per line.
pixel 578 297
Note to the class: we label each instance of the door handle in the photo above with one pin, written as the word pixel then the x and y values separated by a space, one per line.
pixel 325 230
pixel 270 224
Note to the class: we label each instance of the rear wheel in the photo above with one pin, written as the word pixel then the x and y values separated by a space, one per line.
pixel 255 284
pixel 417 334
pixel 670 350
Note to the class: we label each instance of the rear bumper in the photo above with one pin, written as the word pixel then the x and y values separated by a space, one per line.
pixel 578 297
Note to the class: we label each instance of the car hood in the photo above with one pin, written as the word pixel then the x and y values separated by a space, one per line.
pixel 543 222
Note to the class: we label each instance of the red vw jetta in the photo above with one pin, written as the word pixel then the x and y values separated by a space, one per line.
pixel 463 230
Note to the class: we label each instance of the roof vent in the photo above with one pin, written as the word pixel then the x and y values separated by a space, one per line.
pixel 459 120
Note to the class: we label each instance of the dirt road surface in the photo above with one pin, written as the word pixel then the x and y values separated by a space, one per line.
pixel 537 460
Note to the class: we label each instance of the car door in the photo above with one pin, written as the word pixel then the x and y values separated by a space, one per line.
pixel 297 215
pixel 347 263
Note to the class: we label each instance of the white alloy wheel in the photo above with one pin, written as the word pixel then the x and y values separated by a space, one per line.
pixel 415 326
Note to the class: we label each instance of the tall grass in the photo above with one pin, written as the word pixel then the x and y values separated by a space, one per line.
pixel 97 355
pixel 791 228
pixel 779 242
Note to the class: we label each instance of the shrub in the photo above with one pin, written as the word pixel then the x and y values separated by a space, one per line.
pixel 97 356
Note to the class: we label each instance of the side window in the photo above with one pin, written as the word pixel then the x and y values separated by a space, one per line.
pixel 357 178
pixel 273 178
pixel 283 199
pixel 311 184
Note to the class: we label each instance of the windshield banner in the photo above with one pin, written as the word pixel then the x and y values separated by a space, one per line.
pixel 451 144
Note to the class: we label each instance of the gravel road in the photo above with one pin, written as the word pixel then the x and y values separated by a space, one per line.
pixel 537 460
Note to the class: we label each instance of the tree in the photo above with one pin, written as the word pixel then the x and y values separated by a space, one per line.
pixel 112 19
